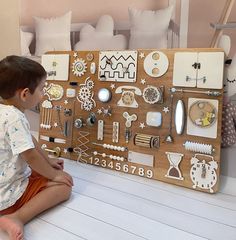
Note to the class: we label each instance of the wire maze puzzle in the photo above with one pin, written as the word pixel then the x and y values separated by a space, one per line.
pixel 120 66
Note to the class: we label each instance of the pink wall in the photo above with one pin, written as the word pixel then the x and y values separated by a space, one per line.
pixel 83 10
pixel 201 13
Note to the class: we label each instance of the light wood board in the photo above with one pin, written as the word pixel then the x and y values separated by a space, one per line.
pixel 161 163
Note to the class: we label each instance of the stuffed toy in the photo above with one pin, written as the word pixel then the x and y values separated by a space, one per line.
pixel 229 108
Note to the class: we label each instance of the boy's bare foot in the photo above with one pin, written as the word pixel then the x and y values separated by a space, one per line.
pixel 12 226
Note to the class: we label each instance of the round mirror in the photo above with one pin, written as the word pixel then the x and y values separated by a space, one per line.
pixel 104 95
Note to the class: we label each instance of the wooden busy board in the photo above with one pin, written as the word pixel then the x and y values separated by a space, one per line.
pixel 118 110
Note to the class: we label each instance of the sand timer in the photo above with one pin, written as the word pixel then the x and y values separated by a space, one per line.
pixel 174 160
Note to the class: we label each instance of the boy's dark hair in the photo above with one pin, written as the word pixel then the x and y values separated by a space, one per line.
pixel 19 73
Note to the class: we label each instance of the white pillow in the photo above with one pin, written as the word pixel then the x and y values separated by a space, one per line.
pixel 149 28
pixel 101 37
pixel 52 34
pixel 25 41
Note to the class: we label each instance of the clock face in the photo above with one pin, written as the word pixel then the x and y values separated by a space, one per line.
pixel 203 175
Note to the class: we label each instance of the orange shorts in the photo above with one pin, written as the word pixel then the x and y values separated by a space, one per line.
pixel 36 184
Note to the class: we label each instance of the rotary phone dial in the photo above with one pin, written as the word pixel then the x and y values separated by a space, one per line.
pixel 128 96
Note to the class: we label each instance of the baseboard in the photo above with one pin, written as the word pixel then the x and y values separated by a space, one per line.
pixel 228 185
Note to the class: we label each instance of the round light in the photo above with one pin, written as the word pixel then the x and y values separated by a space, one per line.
pixel 104 95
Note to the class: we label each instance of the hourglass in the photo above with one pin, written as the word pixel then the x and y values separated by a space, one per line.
pixel 174 160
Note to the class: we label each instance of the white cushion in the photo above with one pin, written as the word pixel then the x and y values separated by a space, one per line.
pixel 52 34
pixel 101 37
pixel 149 28
pixel 25 41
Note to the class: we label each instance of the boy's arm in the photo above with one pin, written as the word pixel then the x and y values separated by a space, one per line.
pixel 56 163
pixel 38 164
pixel 38 148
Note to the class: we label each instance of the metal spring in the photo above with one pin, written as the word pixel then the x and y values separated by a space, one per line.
pixel 199 147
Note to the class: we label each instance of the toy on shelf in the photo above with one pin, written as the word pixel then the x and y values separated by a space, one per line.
pixel 229 108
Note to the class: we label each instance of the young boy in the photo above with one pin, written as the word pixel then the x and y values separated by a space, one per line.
pixel 30 182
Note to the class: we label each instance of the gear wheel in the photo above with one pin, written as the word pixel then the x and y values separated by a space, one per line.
pixel 84 93
pixel 152 94
pixel 79 67
pixel 88 105
pixel 89 84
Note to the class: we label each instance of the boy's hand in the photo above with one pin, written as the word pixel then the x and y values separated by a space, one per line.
pixel 56 163
pixel 63 177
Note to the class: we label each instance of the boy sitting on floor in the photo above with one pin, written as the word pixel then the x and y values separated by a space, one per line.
pixel 30 182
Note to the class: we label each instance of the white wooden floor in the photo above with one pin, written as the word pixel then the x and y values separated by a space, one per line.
pixel 109 205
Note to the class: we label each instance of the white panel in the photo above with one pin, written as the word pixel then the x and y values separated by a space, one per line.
pixel 141 158
pixel 154 119
pixel 208 131
pixel 56 66
pixel 212 67
pixel 183 68
pixel 156 64
pixel 100 129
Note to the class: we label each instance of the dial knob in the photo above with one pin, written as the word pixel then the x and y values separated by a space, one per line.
pixel 78 123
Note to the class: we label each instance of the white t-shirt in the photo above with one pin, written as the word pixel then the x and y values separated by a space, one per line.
pixel 15 138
